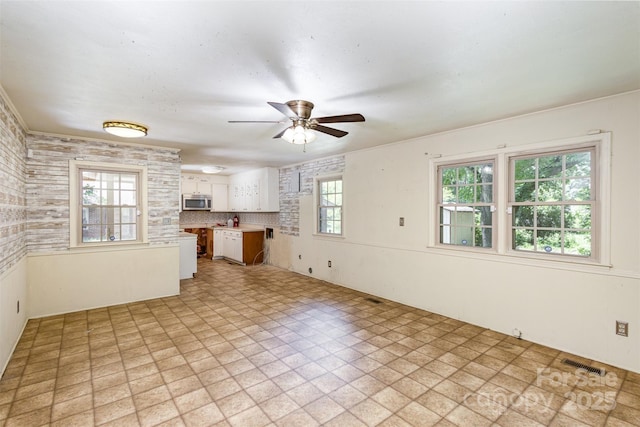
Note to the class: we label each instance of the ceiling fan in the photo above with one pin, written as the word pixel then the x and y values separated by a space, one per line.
pixel 303 125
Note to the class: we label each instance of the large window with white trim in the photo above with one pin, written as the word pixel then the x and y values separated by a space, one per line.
pixel 466 204
pixel 553 201
pixel 547 200
pixel 329 205
pixel 107 204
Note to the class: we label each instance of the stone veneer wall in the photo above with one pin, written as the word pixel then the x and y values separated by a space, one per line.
pixel 290 200
pixel 13 212
pixel 48 186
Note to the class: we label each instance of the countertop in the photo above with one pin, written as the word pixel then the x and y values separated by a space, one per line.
pixel 244 229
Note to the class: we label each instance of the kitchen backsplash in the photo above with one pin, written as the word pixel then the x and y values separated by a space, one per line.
pixel 255 218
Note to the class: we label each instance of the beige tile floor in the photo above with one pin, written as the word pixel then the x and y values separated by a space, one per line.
pixel 256 346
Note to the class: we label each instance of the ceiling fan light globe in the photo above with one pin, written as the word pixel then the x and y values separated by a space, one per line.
pixel 299 138
pixel 288 135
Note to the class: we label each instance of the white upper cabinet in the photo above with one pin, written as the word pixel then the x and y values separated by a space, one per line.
pixel 255 191
pixel 195 184
pixel 220 199
pixel 216 187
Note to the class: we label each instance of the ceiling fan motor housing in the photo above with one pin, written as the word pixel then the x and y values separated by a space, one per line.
pixel 301 108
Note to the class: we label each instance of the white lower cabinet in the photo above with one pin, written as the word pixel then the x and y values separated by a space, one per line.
pixel 218 243
pixel 188 255
pixel 232 245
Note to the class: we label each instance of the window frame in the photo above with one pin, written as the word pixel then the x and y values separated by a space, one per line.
pixel 601 144
pixel 593 202
pixel 492 205
pixel 317 183
pixel 75 202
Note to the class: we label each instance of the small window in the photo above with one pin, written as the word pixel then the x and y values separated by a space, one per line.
pixel 107 204
pixel 330 206
pixel 552 203
pixel 465 204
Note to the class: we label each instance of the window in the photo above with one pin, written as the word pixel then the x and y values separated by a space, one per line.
pixel 552 202
pixel 466 204
pixel 107 204
pixel 329 206
pixel 544 201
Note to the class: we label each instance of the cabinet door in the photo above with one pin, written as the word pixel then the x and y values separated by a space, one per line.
pixel 220 198
pixel 218 243
pixel 209 243
pixel 189 186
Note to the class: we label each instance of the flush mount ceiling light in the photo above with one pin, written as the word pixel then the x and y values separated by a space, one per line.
pixel 125 129
pixel 212 169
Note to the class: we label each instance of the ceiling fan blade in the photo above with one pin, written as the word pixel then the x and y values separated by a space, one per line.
pixel 331 131
pixel 280 134
pixel 256 121
pixel 283 108
pixel 340 119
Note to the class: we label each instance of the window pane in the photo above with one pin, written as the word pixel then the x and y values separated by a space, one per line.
pixel 483 237
pixel 128 182
pixel 449 195
pixel 128 232
pixel 128 198
pixel 484 216
pixel 466 175
pixel 484 194
pixel 550 191
pixel 484 173
pixel 91 233
pixel 465 194
pixel 577 216
pixel 523 216
pixel 110 180
pixel 578 164
pixel 525 191
pixel 548 241
pixel 550 167
pixel 91 215
pixel 523 239
pixel 578 189
pixel 128 215
pixel 549 216
pixel 445 234
pixel 525 169
pixel 577 243
pixel 449 176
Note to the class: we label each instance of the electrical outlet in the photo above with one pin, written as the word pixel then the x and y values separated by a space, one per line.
pixel 329 264
pixel 401 221
pixel 622 328
pixel 166 221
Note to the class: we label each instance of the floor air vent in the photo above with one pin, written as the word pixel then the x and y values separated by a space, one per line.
pixel 587 368
pixel 373 300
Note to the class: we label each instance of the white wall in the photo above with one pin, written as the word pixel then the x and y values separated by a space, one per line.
pixel 62 282
pixel 13 288
pixel 556 304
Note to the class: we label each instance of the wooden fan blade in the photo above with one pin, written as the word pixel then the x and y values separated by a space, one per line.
pixel 331 131
pixel 283 108
pixel 280 134
pixel 340 119
pixel 256 121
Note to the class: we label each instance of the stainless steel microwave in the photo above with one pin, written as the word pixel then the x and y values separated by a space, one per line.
pixel 196 202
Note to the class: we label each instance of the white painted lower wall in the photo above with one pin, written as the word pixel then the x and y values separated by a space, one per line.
pixel 63 282
pixel 13 288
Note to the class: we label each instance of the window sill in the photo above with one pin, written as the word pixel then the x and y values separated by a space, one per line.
pixel 328 236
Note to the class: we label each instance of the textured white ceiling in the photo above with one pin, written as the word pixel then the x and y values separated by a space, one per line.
pixel 184 68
